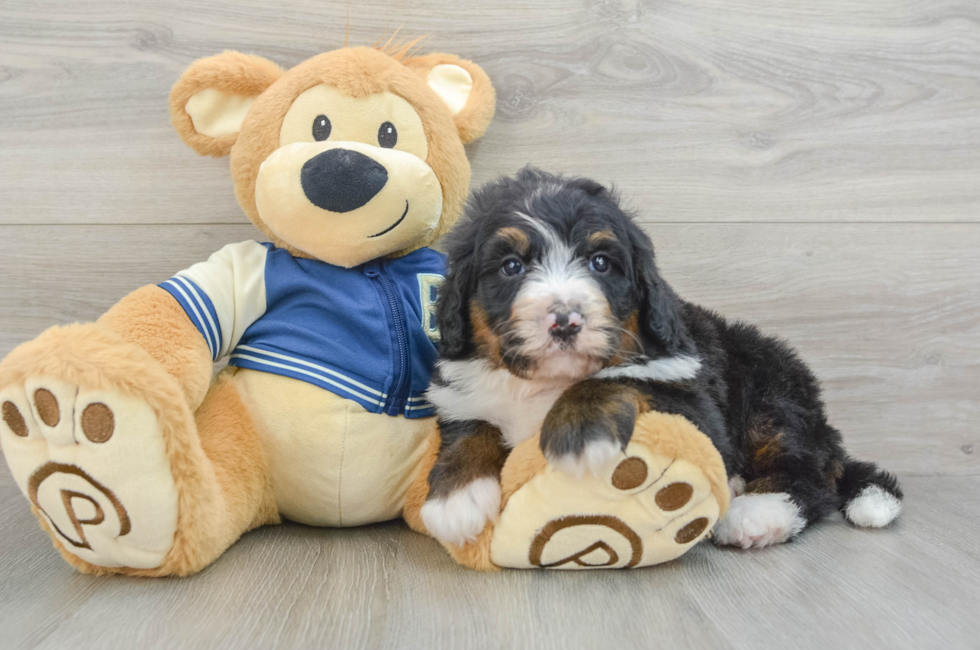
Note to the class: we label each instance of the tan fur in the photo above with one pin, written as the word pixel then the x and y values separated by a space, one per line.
pixel 418 491
pixel 95 357
pixel 475 117
pixel 601 236
pixel 517 237
pixel 231 72
pixel 230 441
pixel 475 555
pixel 629 342
pixel 486 340
pixel 153 319
pixel 217 465
pixel 669 435
pixel 361 71
pixel 676 437
pixel 524 463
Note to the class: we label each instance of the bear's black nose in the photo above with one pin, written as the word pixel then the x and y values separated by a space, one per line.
pixel 341 180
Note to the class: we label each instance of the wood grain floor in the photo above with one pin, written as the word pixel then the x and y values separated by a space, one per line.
pixel 813 167
pixel 915 585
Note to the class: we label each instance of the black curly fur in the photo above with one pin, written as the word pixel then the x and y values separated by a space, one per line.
pixel 753 396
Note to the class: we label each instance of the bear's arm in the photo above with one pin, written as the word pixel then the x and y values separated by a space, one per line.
pixel 153 319
pixel 197 316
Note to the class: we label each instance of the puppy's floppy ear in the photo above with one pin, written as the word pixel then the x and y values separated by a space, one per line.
pixel 209 101
pixel 463 87
pixel 453 308
pixel 661 327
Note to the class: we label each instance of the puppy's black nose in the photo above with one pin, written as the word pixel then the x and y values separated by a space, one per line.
pixel 565 326
pixel 341 180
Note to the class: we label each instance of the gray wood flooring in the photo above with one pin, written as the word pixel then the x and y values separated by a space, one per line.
pixel 813 167
pixel 915 585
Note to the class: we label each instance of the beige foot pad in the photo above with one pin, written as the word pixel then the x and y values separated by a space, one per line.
pixel 94 465
pixel 663 496
pixel 91 458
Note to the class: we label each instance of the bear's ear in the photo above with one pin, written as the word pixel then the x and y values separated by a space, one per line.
pixel 463 86
pixel 211 98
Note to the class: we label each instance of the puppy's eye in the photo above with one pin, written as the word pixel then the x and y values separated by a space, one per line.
pixel 512 266
pixel 599 263
pixel 387 135
pixel 321 128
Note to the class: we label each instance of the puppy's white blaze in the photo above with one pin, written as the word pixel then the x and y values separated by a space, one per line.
pixel 757 520
pixel 873 508
pixel 547 188
pixel 560 278
pixel 550 235
pixel 461 517
pixel 666 369
pixel 595 458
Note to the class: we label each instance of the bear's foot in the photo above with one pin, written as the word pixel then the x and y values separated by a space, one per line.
pixel 649 505
pixel 86 426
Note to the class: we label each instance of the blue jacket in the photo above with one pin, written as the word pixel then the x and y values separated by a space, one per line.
pixel 367 333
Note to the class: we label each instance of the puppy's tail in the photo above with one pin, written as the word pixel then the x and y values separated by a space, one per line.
pixel 869 496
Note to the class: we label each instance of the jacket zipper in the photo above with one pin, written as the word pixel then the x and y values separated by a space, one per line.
pixel 397 397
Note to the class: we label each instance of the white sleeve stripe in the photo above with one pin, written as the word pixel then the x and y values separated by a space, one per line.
pixel 198 306
pixel 231 286
pixel 313 365
pixel 200 323
pixel 215 331
pixel 305 372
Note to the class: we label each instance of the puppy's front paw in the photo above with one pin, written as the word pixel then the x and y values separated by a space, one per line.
pixel 462 515
pixel 588 427
pixel 595 458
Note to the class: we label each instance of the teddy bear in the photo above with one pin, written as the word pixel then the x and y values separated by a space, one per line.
pixel 135 458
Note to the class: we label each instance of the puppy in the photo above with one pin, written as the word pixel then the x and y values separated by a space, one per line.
pixel 554 319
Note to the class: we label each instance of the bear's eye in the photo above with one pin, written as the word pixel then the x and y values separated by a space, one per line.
pixel 321 128
pixel 387 135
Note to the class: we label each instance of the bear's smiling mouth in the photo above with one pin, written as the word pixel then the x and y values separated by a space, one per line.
pixel 392 226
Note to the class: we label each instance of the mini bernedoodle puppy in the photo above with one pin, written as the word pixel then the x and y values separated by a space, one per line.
pixel 554 318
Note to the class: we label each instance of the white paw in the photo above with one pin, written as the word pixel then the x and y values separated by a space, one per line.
pixel 757 520
pixel 462 516
pixel 94 464
pixel 873 508
pixel 596 458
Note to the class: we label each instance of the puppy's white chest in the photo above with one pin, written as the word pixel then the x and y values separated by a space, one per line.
pixel 519 419
pixel 477 392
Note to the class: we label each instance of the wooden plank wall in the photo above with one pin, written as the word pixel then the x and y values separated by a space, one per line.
pixel 814 168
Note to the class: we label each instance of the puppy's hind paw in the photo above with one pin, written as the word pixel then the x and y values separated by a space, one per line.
pixel 873 508
pixel 460 517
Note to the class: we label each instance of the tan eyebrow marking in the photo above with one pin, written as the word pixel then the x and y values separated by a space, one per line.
pixel 517 237
pixel 601 235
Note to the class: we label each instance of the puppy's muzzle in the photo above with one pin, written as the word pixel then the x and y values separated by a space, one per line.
pixel 341 180
pixel 563 325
